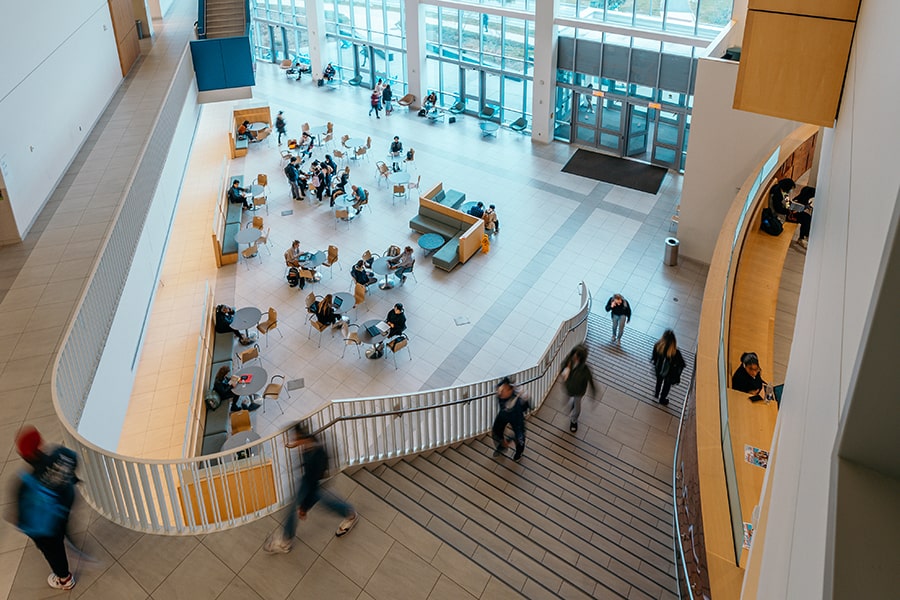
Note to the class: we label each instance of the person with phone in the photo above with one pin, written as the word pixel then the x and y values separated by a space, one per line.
pixel 222 386
pixel 620 311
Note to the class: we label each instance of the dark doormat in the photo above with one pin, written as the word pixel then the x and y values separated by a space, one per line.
pixel 617 171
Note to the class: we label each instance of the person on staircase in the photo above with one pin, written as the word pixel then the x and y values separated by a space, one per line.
pixel 513 405
pixel 577 376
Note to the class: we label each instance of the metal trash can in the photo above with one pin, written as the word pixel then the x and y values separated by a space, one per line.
pixel 140 28
pixel 671 257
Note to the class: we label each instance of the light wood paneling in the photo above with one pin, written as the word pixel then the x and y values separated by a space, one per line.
pixel 122 14
pixel 829 9
pixel 240 491
pixel 793 67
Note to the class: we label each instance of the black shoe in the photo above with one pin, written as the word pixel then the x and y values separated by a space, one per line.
pixel 235 408
pixel 253 406
pixel 664 401
pixel 498 451
pixel 573 427
pixel 517 457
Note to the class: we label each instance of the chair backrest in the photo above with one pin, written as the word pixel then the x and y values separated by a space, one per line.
pixel 249 354
pixel 359 293
pixel 263 134
pixel 411 155
pixel 344 139
pixel 338 154
pixel 258 223
pixel 398 343
pixel 240 421
pixel 310 299
pixel 399 190
pixel 304 127
pixel 342 213
pixel 262 179
pixel 413 266
pixel 265 237
pixel 366 255
pixel 250 251
pixel 286 63
pixel 393 251
pixel 328 137
pixel 369 141
pixel 383 169
pixel 361 151
pixel 273 315
pixel 332 254
pixel 330 127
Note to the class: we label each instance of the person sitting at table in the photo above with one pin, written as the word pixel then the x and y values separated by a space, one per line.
pixel 396 320
pixel 360 197
pixel 477 210
pixel 244 130
pixel 748 377
pixel 224 318
pixel 489 217
pixel 325 312
pixel 238 195
pixel 329 72
pixel 222 386
pixel 396 151
pixel 430 101
pixel 307 142
pixel 402 264
pixel 340 184
pixel 361 274
pixel 292 255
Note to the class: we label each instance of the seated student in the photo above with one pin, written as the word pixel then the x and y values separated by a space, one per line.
pixel 361 274
pixel 402 264
pixel 237 194
pixel 340 184
pixel 477 210
pixel 297 68
pixel 748 377
pixel 780 201
pixel 222 387
pixel 292 255
pixel 491 225
pixel 396 151
pixel 328 73
pixel 244 130
pixel 430 101
pixel 325 311
pixel 359 198
pixel 396 320
pixel 224 318
pixel 307 143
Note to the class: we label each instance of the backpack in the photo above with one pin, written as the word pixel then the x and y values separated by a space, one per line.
pixel 213 401
pixel 293 277
pixel 770 223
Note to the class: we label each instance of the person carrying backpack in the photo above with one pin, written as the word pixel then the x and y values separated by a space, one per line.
pixel 667 365
pixel 44 502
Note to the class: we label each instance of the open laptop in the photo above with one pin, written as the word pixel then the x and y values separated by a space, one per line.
pixel 337 301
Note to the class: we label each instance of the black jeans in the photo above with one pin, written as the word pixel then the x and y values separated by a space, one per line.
pixel 662 382
pixel 54 550
pixel 500 426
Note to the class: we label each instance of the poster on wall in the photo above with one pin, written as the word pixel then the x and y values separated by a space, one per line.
pixel 755 456
pixel 748 535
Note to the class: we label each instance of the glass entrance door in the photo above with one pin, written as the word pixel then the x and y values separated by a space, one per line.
pixel 636 139
pixel 611 132
pixel 667 139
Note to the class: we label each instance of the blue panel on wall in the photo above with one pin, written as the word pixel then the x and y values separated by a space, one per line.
pixel 222 63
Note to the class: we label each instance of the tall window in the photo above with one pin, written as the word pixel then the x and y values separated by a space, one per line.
pixel 701 18
pixel 279 30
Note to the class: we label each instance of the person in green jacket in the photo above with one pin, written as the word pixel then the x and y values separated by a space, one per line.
pixel 577 377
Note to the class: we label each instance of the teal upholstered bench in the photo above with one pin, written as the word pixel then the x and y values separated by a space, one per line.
pixel 448 256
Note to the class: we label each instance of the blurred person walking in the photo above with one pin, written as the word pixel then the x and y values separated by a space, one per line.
pixel 513 404
pixel 667 365
pixel 577 377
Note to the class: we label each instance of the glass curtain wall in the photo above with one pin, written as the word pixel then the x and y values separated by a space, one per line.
pixel 367 42
pixel 475 60
pixel 279 30
pixel 701 18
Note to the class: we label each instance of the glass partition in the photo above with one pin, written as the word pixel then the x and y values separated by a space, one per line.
pixel 701 18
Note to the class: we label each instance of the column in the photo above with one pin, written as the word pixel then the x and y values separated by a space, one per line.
pixel 414 28
pixel 315 22
pixel 544 85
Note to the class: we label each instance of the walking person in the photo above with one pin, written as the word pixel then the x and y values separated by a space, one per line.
pixel 577 377
pixel 620 311
pixel 667 365
pixel 280 125
pixel 309 492
pixel 513 405
pixel 292 172
pixel 387 95
pixel 375 102
pixel 44 502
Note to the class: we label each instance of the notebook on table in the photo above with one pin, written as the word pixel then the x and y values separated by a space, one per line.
pixel 380 328
pixel 337 301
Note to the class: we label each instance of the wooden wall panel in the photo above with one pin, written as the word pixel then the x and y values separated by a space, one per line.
pixel 793 67
pixel 122 14
pixel 829 9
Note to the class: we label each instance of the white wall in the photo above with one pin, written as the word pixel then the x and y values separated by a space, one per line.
pixel 857 192
pixel 58 70
pixel 107 403
pixel 725 146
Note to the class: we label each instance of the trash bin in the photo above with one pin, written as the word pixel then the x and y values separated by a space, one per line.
pixel 140 28
pixel 671 257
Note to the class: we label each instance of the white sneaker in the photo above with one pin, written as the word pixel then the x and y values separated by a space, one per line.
pixel 346 525
pixel 276 544
pixel 803 243
pixel 61 583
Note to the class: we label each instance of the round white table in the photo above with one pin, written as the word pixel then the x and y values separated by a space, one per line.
pixel 256 190
pixel 245 318
pixel 399 178
pixel 258 382
pixel 258 126
pixel 354 144
pixel 382 266
pixel 367 338
pixel 247 235
pixel 239 439
pixel 347 302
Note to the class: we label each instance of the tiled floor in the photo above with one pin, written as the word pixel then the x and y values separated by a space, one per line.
pixel 556 230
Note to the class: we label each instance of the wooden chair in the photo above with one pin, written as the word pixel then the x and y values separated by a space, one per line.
pixel 360 153
pixel 412 271
pixel 382 172
pixel 406 100
pixel 320 327
pixel 307 274
pixel 327 139
pixel 369 142
pixel 342 214
pixel 329 127
pixel 396 345
pixel 332 259
pixel 240 421
pixel 286 156
pixel 273 391
pixel 263 134
pixel 305 128
pixel 250 252
pixel 286 64
pixel 311 298
pixel 264 240
pixel 414 185
pixel 344 139
pixel 351 338
pixel 400 192
pixel 249 354
pixel 365 203
pixel 269 324
pixel 410 157
pixel 359 296
pixel 258 223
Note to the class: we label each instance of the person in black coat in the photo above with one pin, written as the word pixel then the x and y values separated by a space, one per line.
pixel 237 194
pixel 780 201
pixel 513 405
pixel 748 376
pixel 362 275
pixel 577 377
pixel 222 387
pixel 620 311
pixel 224 318
pixel 667 365
pixel 396 320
